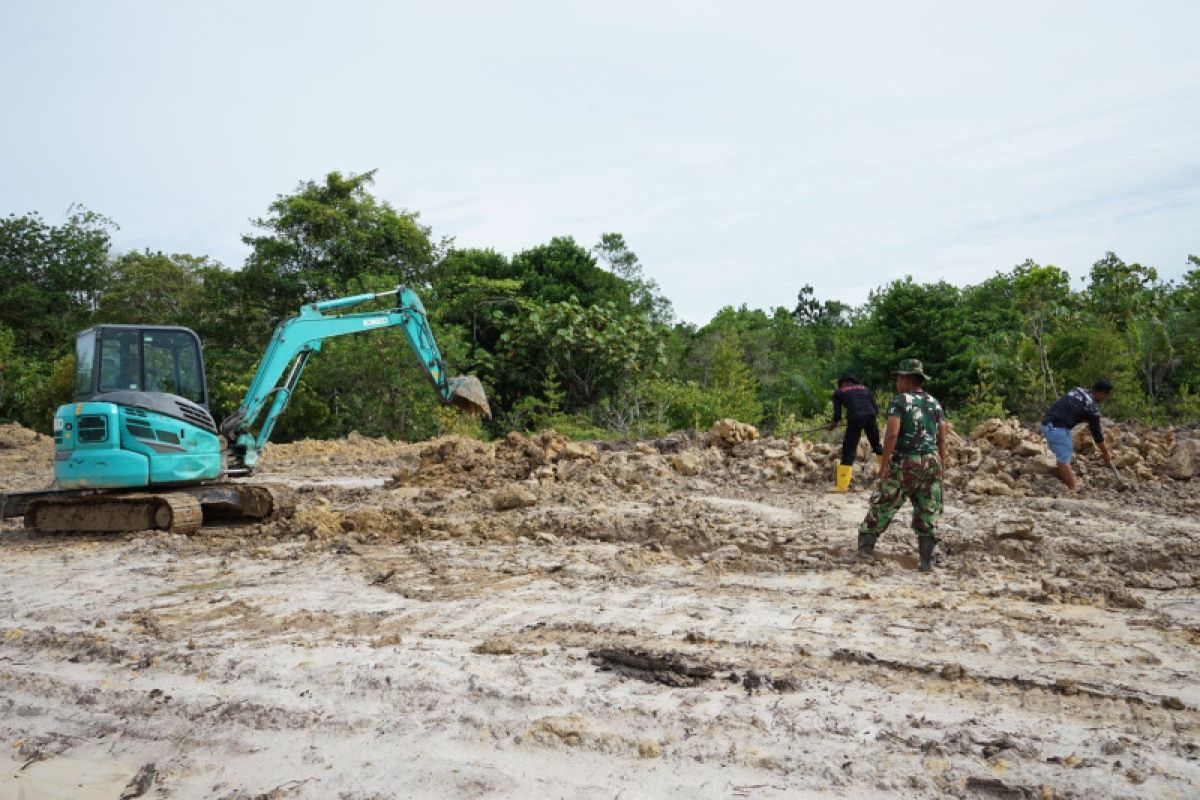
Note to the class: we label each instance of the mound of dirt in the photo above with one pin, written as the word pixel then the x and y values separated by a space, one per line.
pixel 354 449
pixel 14 435
pixel 461 462
pixel 323 523
pixel 999 458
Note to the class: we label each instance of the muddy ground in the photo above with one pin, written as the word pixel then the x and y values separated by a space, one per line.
pixel 681 618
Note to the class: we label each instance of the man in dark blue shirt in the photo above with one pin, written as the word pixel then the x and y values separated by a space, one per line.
pixel 861 412
pixel 1076 406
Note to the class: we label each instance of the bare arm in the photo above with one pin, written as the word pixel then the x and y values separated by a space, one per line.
pixel 891 433
pixel 941 440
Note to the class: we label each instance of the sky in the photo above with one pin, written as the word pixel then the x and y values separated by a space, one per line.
pixel 743 149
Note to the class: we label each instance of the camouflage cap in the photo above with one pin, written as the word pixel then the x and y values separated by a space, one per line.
pixel 911 366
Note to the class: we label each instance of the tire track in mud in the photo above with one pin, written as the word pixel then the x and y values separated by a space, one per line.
pixel 422 623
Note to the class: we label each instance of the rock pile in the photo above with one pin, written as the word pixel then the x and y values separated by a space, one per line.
pixel 461 462
pixel 1003 457
pixel 998 458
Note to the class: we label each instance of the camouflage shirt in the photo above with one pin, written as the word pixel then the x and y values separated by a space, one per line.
pixel 919 415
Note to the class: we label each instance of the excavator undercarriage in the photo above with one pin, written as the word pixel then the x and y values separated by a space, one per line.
pixel 178 510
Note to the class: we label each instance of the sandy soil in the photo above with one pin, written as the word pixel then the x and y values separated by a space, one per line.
pixel 667 619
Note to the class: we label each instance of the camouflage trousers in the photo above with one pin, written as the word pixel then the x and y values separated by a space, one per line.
pixel 912 477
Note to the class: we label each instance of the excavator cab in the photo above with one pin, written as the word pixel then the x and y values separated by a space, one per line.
pixel 139 358
pixel 140 415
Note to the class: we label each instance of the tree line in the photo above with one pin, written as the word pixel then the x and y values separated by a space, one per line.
pixel 577 337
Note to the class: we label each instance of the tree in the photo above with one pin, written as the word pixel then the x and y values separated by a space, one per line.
pixel 561 270
pixel 467 286
pixel 1041 295
pixel 50 277
pixel 317 240
pixel 823 319
pixel 1117 291
pixel 590 351
pixel 624 263
pixel 906 319
pixel 156 289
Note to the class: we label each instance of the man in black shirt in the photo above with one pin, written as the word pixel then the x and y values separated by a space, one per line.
pixel 861 412
pixel 1076 406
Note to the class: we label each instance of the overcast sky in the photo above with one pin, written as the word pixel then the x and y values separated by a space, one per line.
pixel 744 149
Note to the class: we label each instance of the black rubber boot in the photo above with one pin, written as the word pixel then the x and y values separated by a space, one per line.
pixel 866 544
pixel 925 547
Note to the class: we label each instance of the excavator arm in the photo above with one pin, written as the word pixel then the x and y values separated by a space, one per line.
pixel 297 339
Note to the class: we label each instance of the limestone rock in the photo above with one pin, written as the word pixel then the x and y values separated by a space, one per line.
pixel 724 553
pixel 798 455
pixel 513 496
pixel 1082 439
pixel 573 450
pixel 1184 463
pixel 1027 448
pixel 687 463
pixel 1004 433
pixel 1043 464
pixel 985 484
pixel 729 432
pixel 1016 528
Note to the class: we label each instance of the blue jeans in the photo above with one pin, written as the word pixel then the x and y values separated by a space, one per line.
pixel 1060 442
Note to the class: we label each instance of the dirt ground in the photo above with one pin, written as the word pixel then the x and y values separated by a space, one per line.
pixel 680 618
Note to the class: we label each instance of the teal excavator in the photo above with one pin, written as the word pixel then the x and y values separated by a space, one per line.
pixel 139 450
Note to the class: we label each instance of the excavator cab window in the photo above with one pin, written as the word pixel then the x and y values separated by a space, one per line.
pixel 120 361
pixel 172 364
pixel 85 362
pixel 119 358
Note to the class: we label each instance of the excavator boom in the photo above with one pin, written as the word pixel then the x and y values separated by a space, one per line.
pixel 298 338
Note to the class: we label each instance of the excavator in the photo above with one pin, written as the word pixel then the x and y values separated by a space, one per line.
pixel 139 450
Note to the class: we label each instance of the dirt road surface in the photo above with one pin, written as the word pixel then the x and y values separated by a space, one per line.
pixel 534 618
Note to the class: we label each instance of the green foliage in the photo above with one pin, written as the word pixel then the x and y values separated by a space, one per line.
pixel 1117 291
pixel 690 405
pixel 644 293
pixel 587 352
pixel 562 270
pixel 156 289
pixel 30 387
pixel 984 403
pixel 545 411
pixel 316 241
pixel 576 339
pixel 50 277
pixel 926 321
pixel 783 372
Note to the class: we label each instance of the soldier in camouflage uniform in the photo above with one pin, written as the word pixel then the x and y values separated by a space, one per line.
pixel 914 450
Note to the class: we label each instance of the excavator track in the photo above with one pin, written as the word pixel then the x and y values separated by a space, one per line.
pixel 180 510
pixel 174 512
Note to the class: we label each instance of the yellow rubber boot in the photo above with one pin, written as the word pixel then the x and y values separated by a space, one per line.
pixel 844 473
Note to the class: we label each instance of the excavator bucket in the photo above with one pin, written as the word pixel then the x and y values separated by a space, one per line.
pixel 466 394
